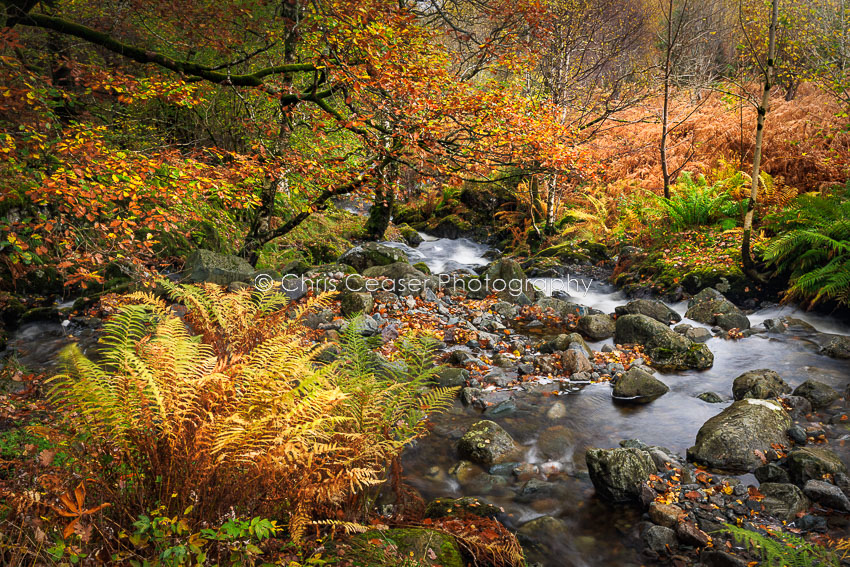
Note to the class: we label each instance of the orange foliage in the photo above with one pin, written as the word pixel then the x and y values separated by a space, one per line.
pixel 804 141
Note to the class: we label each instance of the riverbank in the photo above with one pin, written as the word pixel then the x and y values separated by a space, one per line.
pixel 551 374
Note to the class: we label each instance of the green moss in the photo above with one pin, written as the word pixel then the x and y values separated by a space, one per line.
pixel 422 267
pixel 401 547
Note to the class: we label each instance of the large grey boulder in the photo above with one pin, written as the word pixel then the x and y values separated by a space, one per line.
pixel 710 307
pixel 759 384
pixel 637 386
pixel 372 254
pixel 812 463
pixel 596 327
pixel 783 500
pixel 819 394
pixel 487 444
pixel 222 269
pixel 664 346
pixel 651 308
pixel 729 440
pixel 617 474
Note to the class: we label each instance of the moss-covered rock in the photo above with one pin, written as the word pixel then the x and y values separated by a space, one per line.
pixel 729 440
pixel 759 384
pixel 468 505
pixel 637 386
pixel 812 463
pixel 390 548
pixel 651 308
pixel 422 267
pixel 208 266
pixel 715 309
pixel 665 347
pixel 410 235
pixel 486 443
pixel 617 474
pixel 372 254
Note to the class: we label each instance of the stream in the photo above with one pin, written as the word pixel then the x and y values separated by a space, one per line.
pixel 595 533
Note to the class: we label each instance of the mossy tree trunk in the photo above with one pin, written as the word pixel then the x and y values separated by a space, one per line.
pixel 381 212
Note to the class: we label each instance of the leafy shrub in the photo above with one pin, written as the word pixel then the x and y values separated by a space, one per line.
pixel 227 410
pixel 813 246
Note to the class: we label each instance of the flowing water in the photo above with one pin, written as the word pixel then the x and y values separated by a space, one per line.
pixel 597 534
pixel 594 533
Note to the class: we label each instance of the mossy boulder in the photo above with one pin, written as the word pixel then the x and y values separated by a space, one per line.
pixel 212 267
pixel 710 307
pixel 651 308
pixel 506 278
pixel 638 386
pixel 411 235
pixel 354 302
pixel 466 506
pixel 390 548
pixel 487 443
pixel 813 463
pixel 820 395
pixel 451 226
pixel 759 384
pixel 372 254
pixel 596 327
pixel 838 347
pixel 783 500
pixel 729 440
pixel 617 474
pixel 665 347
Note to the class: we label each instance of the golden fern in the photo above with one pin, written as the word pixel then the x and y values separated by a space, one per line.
pixel 245 406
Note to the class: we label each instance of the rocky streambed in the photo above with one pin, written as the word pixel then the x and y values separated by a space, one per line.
pixel 592 425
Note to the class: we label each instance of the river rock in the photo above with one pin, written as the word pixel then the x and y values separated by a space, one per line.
pixel 564 342
pixel 759 384
pixel 666 515
pixel 659 539
pixel 810 463
pixel 651 308
pixel 637 386
pixel 710 398
pixel 574 361
pixel 446 507
pixel 771 472
pixel 556 442
pixel 729 439
pixel 222 269
pixel 617 474
pixel 486 443
pixel 711 308
pixel 596 327
pixel 538 535
pixel 783 500
pixel 506 278
pixel 819 394
pixel 698 334
pixel 352 303
pixel 372 254
pixel 827 494
pixel 664 346
pixel 450 377
pixel 838 347
pixel 432 548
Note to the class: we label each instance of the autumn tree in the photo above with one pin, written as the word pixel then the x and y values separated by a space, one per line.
pixel 330 98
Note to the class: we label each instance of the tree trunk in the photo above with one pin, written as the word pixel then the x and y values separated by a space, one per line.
pixel 665 109
pixel 551 204
pixel 382 208
pixel 746 256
